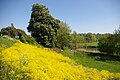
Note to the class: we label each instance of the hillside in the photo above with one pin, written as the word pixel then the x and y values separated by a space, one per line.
pixel 24 61
pixel 6 42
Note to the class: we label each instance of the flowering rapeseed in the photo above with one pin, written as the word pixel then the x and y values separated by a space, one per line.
pixel 24 61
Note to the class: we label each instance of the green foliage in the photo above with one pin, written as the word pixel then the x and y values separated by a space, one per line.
pixel 117 41
pixel 106 45
pixel 90 37
pixel 31 40
pixel 110 43
pixel 11 31
pixel 63 36
pixel 42 26
pixel 25 38
pixel 75 39
pixel 22 35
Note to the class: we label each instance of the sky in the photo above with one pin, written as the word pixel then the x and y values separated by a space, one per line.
pixel 83 16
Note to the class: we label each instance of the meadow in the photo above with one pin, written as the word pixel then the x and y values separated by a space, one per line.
pixel 90 44
pixel 100 61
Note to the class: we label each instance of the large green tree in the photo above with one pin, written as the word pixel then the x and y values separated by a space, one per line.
pixel 10 31
pixel 76 39
pixel 117 41
pixel 42 26
pixel 90 37
pixel 110 43
pixel 106 43
pixel 63 36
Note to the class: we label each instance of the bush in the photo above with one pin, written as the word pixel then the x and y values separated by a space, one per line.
pixel 31 40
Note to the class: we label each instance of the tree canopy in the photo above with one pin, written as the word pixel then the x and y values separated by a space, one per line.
pixel 110 43
pixel 63 36
pixel 12 32
pixel 42 26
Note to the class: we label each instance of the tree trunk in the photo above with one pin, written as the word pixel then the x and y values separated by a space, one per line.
pixel 74 51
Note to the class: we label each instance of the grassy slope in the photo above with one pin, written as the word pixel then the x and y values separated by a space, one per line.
pixel 6 42
pixel 81 57
pixel 27 62
pixel 95 60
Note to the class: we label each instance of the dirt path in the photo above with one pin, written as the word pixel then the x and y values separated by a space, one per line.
pixel 87 50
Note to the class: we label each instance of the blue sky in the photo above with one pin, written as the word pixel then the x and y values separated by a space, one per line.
pixel 97 16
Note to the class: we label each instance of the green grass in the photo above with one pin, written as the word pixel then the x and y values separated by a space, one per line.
pixel 92 44
pixel 95 60
pixel 6 42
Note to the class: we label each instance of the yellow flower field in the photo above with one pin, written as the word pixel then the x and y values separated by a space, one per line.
pixel 27 62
